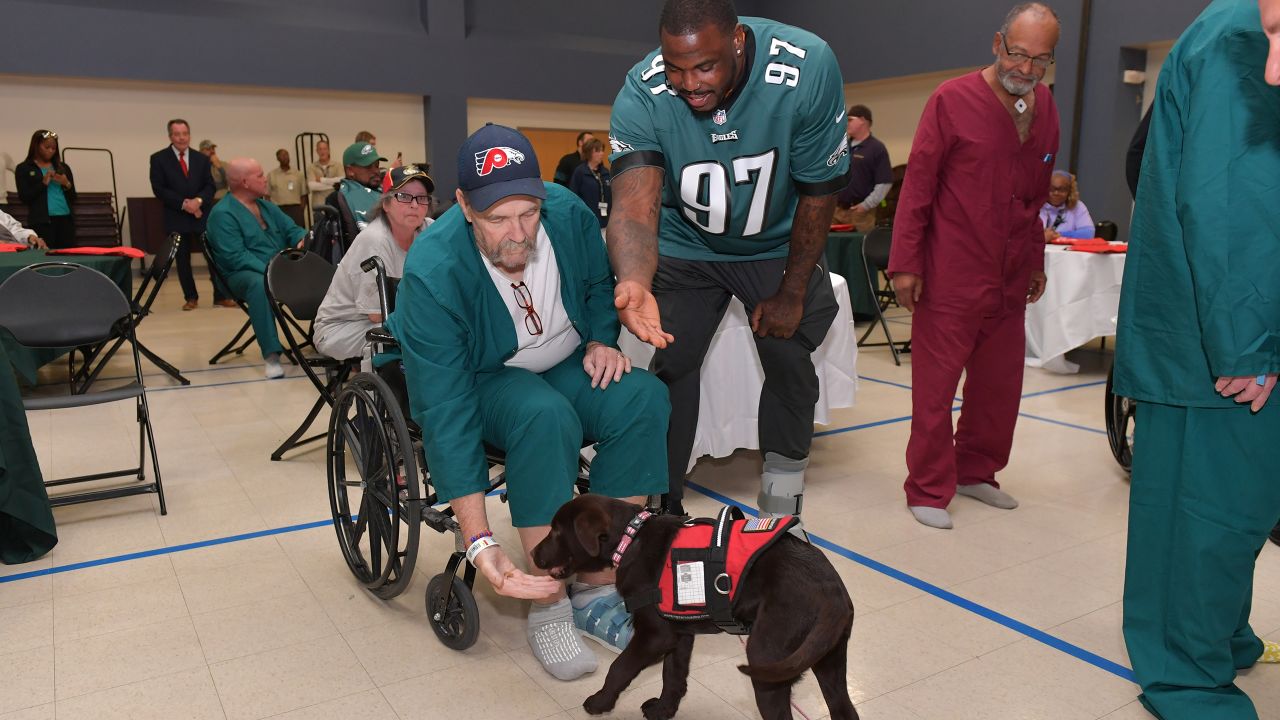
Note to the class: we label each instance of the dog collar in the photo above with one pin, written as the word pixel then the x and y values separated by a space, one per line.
pixel 629 534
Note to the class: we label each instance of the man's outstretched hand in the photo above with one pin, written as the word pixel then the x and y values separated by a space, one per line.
pixel 638 311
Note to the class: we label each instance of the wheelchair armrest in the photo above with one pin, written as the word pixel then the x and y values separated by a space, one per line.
pixel 381 336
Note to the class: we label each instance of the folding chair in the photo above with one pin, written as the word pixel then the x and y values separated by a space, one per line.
pixel 59 305
pixel 297 281
pixel 231 346
pixel 875 259
pixel 146 294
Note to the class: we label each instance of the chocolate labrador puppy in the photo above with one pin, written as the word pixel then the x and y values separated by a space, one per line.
pixel 797 606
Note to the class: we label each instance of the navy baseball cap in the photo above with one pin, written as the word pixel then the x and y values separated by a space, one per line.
pixel 498 162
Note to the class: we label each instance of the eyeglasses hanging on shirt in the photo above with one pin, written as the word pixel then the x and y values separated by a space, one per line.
pixel 524 299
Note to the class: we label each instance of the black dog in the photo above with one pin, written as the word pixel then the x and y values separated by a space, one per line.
pixel 796 604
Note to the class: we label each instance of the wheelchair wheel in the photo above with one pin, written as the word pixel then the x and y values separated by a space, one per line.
pixel 372 459
pixel 452 611
pixel 1120 421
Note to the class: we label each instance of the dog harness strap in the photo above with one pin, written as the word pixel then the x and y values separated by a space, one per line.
pixel 652 596
pixel 718 580
pixel 629 535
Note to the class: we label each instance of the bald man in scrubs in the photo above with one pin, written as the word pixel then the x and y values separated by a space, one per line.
pixel 968 255
pixel 1199 347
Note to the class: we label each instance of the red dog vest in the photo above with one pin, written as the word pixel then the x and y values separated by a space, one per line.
pixel 707 563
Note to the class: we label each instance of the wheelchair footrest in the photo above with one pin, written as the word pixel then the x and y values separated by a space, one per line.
pixel 439 521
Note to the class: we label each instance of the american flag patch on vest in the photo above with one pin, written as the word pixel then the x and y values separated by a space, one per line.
pixel 760 524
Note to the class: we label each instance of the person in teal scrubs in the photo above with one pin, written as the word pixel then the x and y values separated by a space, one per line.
pixel 1199 348
pixel 246 231
pixel 509 337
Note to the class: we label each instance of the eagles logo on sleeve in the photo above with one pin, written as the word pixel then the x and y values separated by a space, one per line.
pixel 496 158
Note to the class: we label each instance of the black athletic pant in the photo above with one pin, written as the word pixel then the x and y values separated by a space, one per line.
pixel 692 297
pixel 59 232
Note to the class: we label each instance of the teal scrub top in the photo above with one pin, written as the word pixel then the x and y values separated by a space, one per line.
pixel 240 243
pixel 57 199
pixel 452 325
pixel 1201 292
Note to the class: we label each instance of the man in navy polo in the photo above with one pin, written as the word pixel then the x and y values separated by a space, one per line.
pixel 870 173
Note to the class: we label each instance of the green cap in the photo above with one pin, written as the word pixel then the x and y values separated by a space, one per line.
pixel 362 154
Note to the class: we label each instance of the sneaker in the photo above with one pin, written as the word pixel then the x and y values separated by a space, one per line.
pixel 273 368
pixel 601 615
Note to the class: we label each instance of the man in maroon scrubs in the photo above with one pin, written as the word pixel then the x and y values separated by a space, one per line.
pixel 968 256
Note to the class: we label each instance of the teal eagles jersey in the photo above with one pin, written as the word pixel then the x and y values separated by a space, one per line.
pixel 734 175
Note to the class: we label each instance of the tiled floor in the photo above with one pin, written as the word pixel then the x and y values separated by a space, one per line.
pixel 275 626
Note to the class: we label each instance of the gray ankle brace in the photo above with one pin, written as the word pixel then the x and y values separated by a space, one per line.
pixel 782 485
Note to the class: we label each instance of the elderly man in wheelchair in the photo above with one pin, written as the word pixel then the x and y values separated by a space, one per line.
pixel 508 334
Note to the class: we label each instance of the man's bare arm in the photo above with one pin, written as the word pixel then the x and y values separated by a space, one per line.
pixel 632 234
pixel 808 241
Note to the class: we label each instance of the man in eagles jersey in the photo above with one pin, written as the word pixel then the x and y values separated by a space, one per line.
pixel 728 149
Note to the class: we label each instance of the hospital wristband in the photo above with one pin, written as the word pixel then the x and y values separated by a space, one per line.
pixel 479 546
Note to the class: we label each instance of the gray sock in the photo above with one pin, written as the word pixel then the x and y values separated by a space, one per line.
pixel 989 494
pixel 931 516
pixel 556 643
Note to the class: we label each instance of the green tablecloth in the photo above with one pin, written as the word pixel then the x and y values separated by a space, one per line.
pixel 27 530
pixel 844 257
pixel 25 361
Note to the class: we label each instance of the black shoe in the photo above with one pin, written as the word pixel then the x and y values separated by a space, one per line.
pixel 1275 534
pixel 672 507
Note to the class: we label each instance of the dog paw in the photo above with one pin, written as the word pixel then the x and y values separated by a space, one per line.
pixel 655 709
pixel 599 704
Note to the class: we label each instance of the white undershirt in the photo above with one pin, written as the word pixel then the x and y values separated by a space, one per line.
pixel 559 339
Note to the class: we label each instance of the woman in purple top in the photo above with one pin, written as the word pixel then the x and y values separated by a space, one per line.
pixel 1064 215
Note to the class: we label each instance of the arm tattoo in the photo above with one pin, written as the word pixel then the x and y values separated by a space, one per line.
pixel 808 240
pixel 633 230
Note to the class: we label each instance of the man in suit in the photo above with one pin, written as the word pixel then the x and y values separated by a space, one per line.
pixel 183 181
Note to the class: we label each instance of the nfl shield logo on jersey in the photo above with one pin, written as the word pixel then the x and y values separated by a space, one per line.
pixel 720 117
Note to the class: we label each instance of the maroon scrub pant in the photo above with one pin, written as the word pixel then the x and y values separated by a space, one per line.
pixel 989 350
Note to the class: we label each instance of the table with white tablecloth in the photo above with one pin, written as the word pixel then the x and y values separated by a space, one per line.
pixel 732 377
pixel 1080 304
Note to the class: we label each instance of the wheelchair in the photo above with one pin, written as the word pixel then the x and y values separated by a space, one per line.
pixel 1119 413
pixel 380 490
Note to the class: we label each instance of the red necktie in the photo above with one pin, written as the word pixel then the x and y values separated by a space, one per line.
pixel 183 162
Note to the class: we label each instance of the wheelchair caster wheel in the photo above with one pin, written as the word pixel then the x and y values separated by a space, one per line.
pixel 452 611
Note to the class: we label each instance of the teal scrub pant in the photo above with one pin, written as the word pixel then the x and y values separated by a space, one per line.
pixel 541 422
pixel 251 287
pixel 1203 498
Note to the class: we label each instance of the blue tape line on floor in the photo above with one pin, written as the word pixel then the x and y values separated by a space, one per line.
pixel 982 611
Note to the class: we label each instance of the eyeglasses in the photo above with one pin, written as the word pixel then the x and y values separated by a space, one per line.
pixel 524 300
pixel 1039 61
pixel 46 134
pixel 406 198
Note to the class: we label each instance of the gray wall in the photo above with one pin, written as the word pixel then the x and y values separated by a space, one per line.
pixel 562 50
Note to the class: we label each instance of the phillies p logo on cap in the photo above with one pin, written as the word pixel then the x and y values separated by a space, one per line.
pixel 496 158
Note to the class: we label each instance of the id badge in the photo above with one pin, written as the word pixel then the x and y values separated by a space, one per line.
pixel 690 589
pixel 604 209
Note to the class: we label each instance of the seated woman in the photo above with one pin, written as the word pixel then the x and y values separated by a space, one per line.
pixel 1064 215
pixel 351 308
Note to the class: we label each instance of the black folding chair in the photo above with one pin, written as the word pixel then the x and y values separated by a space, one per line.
pixel 297 281
pixel 875 259
pixel 60 305
pixel 96 358
pixel 234 346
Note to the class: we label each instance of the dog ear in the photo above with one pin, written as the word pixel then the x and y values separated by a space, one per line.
pixel 591 527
